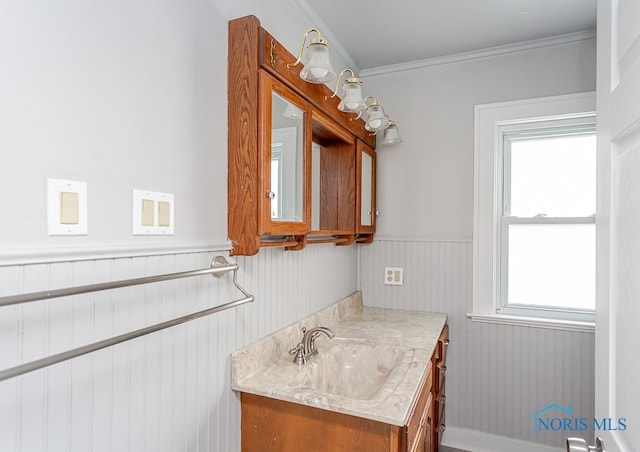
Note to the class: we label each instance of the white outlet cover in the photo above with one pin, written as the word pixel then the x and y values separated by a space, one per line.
pixel 393 276
pixel 136 213
pixel 55 188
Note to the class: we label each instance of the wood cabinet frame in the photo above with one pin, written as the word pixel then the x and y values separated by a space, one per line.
pixel 254 54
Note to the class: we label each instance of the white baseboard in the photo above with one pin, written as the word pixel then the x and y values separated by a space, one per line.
pixel 475 441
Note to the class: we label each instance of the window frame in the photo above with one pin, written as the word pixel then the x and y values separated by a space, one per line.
pixel 491 120
pixel 580 125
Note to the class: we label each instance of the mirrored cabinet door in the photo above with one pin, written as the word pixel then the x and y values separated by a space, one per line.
pixel 285 160
pixel 366 171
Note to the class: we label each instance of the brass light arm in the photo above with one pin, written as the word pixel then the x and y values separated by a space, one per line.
pixel 352 79
pixel 318 40
pixel 374 101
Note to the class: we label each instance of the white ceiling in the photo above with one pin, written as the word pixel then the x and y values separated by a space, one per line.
pixel 378 33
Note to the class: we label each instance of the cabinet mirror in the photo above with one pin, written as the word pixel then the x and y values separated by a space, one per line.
pixel 366 214
pixel 287 160
pixel 366 168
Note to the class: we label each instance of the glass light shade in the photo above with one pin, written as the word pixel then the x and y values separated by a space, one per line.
pixel 391 134
pixel 352 98
pixel 376 119
pixel 318 68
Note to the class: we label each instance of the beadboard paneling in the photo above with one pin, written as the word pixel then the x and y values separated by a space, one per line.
pixel 168 391
pixel 497 375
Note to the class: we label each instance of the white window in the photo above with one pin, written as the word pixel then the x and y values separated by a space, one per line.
pixel 534 232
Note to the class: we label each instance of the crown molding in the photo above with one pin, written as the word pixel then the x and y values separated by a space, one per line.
pixel 478 54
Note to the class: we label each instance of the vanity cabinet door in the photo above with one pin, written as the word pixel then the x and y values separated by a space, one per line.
pixel 284 164
pixel 366 189
pixel 428 433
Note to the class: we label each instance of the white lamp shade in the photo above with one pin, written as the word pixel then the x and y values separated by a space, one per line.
pixel 318 68
pixel 352 98
pixel 377 120
pixel 391 134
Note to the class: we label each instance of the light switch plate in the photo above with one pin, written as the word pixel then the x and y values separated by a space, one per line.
pixel 393 276
pixel 66 207
pixel 152 213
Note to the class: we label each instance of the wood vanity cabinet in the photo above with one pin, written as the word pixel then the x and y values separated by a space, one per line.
pixel 294 174
pixel 270 424
pixel 439 370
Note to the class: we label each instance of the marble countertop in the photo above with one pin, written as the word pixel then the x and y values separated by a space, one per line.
pixel 266 368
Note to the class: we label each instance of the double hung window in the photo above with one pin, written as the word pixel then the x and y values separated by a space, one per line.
pixel 534 240
pixel 546 260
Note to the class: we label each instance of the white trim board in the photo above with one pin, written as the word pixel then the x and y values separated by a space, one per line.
pixel 475 441
pixel 399 238
pixel 72 254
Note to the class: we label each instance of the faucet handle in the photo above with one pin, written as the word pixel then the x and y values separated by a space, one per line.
pixel 298 353
pixel 296 349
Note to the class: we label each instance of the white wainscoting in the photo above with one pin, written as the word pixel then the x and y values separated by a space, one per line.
pixel 169 391
pixel 497 375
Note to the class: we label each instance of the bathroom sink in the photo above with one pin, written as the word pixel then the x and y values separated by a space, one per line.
pixel 355 370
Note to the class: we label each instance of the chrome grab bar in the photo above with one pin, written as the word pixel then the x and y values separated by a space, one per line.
pixel 218 267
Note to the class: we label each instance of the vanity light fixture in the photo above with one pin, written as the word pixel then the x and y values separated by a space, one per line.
pixel 376 118
pixel 352 101
pixel 317 68
pixel 391 134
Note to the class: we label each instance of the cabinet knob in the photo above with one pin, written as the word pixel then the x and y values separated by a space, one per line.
pixel 443 370
pixel 271 195
pixel 377 213
pixel 446 343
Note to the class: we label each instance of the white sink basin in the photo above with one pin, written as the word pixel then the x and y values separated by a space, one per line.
pixel 355 370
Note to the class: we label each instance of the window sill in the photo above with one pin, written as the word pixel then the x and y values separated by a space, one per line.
pixel 534 322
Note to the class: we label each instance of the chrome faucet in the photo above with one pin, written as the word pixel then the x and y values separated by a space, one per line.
pixel 307 347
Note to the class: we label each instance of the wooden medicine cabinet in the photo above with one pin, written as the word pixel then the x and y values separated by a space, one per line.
pixel 299 169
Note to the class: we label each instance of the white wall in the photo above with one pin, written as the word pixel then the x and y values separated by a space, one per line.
pixel 127 95
pixel 427 181
pixel 496 375
pixel 121 96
